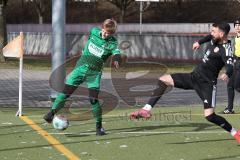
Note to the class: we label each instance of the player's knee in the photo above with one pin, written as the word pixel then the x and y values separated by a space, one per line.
pixel 69 89
pixel 93 101
pixel 62 96
pixel 166 79
pixel 211 117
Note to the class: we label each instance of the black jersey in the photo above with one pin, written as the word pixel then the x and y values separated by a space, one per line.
pixel 215 57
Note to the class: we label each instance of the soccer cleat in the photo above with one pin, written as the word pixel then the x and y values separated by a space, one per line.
pixel 99 129
pixel 100 132
pixel 141 113
pixel 228 111
pixel 237 136
pixel 49 117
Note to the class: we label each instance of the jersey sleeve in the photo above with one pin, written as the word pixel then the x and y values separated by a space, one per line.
pixel 114 47
pixel 93 31
pixel 228 59
pixel 205 39
pixel 116 52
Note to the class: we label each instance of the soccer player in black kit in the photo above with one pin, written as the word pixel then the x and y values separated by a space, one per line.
pixel 202 79
pixel 234 81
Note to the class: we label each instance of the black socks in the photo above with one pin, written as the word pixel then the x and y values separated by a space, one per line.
pixel 157 93
pixel 220 121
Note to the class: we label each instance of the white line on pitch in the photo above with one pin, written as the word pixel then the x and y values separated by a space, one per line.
pixel 145 132
pixel 175 132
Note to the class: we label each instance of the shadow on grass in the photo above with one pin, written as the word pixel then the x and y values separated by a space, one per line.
pixel 199 127
pixel 119 130
pixel 203 141
pixel 223 157
pixel 18 127
pixel 145 128
pixel 75 142
pixel 102 138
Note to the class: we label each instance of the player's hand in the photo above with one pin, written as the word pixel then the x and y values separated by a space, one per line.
pixel 116 64
pixel 224 77
pixel 195 46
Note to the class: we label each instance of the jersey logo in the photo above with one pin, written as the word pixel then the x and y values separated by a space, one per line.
pixel 205 57
pixel 216 49
pixel 95 50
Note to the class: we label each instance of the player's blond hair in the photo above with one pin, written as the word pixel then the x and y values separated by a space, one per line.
pixel 110 25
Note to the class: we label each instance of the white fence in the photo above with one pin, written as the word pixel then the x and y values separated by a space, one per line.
pixel 158 41
pixel 149 46
pixel 122 28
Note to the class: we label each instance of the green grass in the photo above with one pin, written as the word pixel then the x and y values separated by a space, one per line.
pixel 31 63
pixel 28 64
pixel 175 133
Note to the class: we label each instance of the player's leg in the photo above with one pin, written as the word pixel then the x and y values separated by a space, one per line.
pixel 231 94
pixel 74 79
pixel 211 116
pixel 93 82
pixel 162 84
pixel 237 76
pixel 222 122
pixel 207 93
pixel 179 80
pixel 96 110
pixel 59 102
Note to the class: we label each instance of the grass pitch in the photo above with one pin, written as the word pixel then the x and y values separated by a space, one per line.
pixel 174 133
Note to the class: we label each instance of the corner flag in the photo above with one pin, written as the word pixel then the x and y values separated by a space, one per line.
pixel 15 49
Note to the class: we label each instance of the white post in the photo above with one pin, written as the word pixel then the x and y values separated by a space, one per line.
pixel 141 12
pixel 21 52
pixel 15 49
pixel 20 86
pixel 58 41
pixel 140 21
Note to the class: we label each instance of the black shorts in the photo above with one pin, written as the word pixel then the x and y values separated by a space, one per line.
pixel 205 89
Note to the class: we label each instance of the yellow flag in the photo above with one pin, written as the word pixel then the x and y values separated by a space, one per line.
pixel 14 48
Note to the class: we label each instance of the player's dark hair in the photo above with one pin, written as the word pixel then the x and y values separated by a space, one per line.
pixel 223 26
pixel 237 21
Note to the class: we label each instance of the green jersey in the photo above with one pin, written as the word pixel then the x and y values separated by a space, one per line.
pixel 97 49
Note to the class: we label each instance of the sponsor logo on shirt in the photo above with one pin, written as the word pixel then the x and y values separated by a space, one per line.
pixel 95 50
pixel 205 57
pixel 216 49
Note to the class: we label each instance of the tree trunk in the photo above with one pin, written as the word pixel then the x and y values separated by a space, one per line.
pixel 3 31
pixel 122 16
pixel 40 19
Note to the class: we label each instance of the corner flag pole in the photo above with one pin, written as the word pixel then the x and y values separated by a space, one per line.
pixel 15 49
pixel 19 112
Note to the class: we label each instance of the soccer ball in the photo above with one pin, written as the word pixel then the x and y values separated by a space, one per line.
pixel 60 122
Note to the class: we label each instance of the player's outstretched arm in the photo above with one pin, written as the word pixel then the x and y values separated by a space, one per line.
pixel 116 59
pixel 196 45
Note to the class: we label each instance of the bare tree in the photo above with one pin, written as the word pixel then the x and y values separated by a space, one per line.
pixel 41 6
pixel 3 28
pixel 123 5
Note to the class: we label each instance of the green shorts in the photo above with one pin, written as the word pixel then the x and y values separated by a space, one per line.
pixel 82 74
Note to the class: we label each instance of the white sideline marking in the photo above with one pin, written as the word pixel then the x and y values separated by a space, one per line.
pixel 124 115
pixel 175 132
pixel 146 132
pixel 68 133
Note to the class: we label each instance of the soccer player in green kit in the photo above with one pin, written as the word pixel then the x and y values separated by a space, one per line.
pixel 100 45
